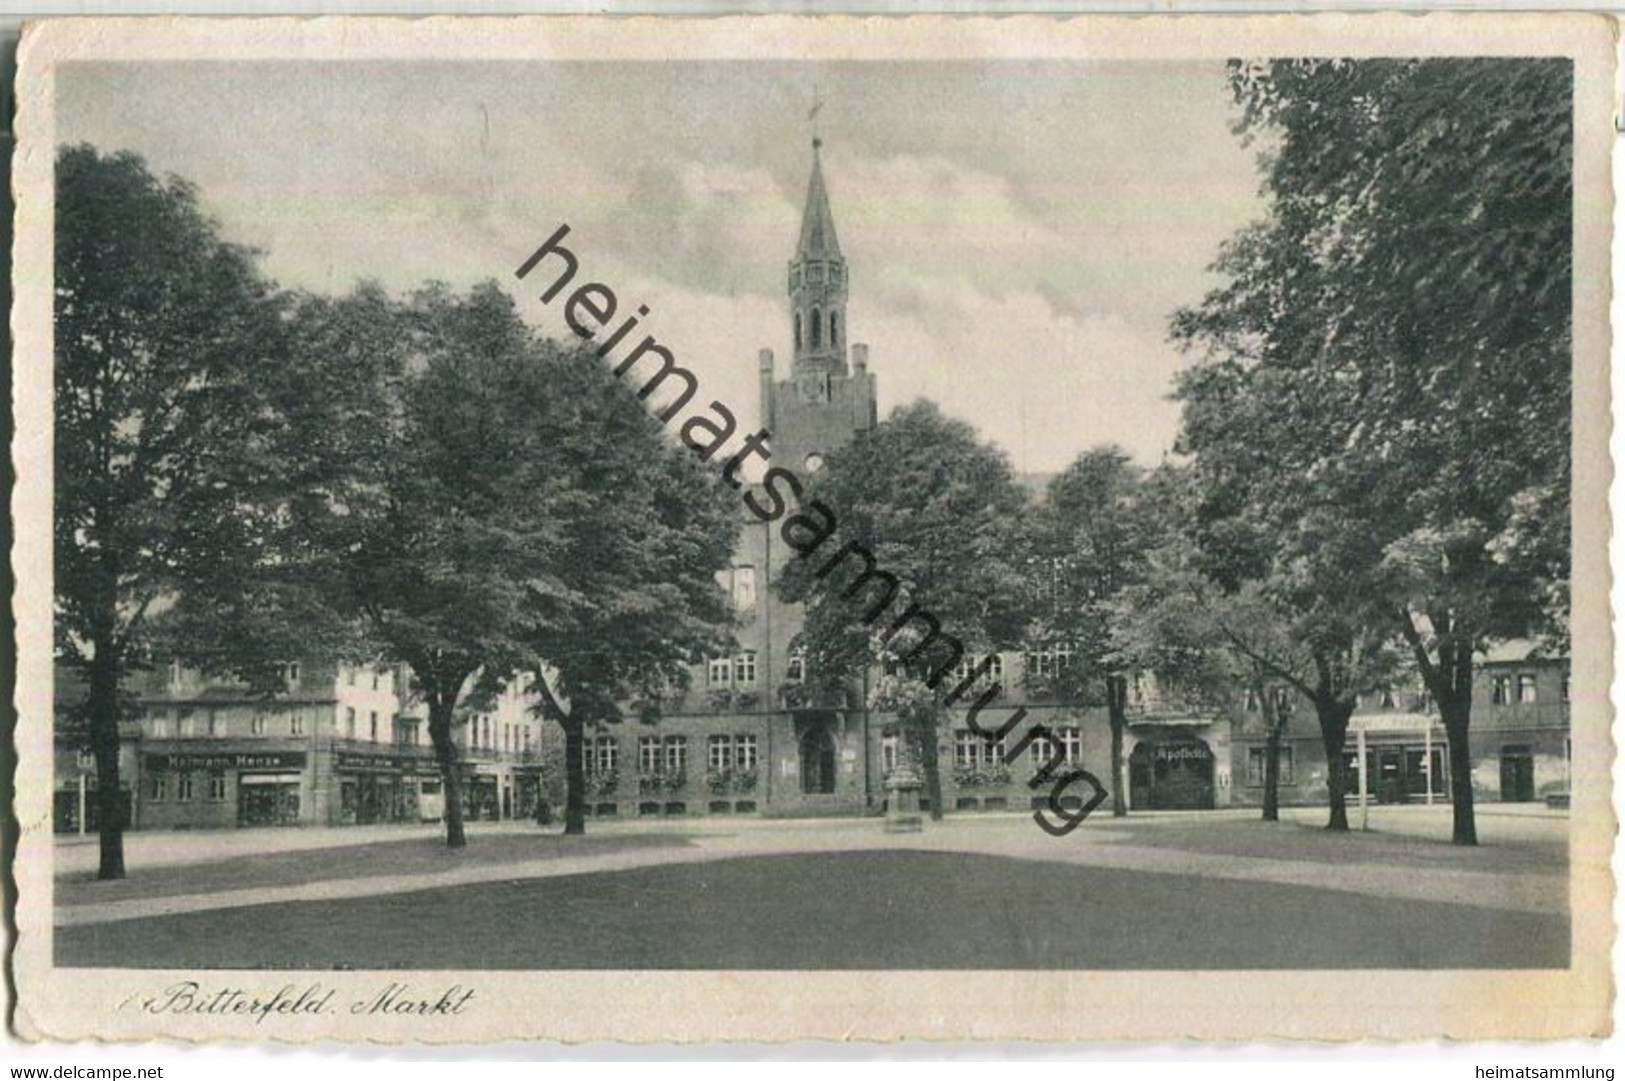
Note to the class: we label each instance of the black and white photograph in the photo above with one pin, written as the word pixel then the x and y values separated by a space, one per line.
pixel 818 512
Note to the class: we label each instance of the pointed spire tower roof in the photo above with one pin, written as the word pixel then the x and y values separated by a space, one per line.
pixel 817 223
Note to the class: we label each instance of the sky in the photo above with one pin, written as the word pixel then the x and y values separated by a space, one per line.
pixel 1017 233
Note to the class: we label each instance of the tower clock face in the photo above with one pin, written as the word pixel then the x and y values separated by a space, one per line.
pixel 814 462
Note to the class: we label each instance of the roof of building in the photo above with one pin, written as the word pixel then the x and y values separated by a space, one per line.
pixel 1516 650
pixel 817 223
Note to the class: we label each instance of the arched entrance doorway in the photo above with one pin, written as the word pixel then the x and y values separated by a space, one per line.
pixel 817 760
pixel 1174 774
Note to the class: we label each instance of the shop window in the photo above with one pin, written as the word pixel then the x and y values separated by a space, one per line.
pixel 745 752
pixel 217 786
pixel 745 669
pixel 1526 689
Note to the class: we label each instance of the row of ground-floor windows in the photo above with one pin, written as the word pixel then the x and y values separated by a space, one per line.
pixel 183 785
pixel 669 754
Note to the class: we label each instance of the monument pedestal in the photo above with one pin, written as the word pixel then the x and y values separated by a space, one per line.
pixel 903 802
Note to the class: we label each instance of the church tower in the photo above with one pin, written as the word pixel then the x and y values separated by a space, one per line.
pixel 826 399
pixel 818 285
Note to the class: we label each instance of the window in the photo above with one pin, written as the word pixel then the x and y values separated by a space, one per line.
pixel 1049 660
pixel 349 722
pixel 992 673
pixel 1041 751
pixel 372 726
pixel 1258 763
pixel 174 673
pixel 217 786
pixel 160 728
pixel 798 320
pixel 888 754
pixel 796 670
pixel 159 782
pixel 648 754
pixel 188 724
pixel 720 752
pixel 256 724
pixel 605 753
pixel 817 328
pixel 375 679
pixel 290 672
pixel 745 752
pixel 676 754
pixel 211 723
pixel 349 674
pixel 967 748
pixel 183 787
pixel 1563 689
pixel 745 669
pixel 1501 691
pixel 1387 698
pixel 1526 689
pixel 1071 743
pixel 1250 701
pixel 744 589
pixel 718 671
pixel 834 330
pixel 296 723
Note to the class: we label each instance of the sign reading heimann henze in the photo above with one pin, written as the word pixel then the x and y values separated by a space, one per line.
pixel 241 760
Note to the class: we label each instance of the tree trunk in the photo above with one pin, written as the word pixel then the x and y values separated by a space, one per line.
pixel 103 709
pixel 1117 717
pixel 1334 726
pixel 1456 714
pixel 575 777
pixel 930 762
pixel 451 777
pixel 1272 768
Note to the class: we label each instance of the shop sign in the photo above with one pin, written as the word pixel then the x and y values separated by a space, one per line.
pixel 281 760
pixel 405 764
pixel 1182 753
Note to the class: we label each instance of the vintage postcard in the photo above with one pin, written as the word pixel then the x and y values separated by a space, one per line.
pixel 858 529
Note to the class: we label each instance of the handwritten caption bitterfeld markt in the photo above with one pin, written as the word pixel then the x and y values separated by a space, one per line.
pixel 291 1000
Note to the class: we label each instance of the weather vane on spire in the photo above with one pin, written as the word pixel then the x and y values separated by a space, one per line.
pixel 812 115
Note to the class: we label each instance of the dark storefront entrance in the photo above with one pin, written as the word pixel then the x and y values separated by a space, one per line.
pixel 1517 773
pixel 1395 774
pixel 1175 774
pixel 268 799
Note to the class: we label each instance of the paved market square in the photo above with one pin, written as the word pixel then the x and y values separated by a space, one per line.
pixel 1169 891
